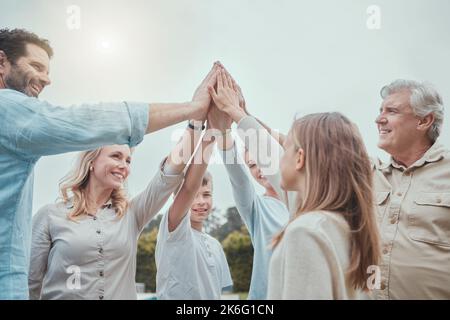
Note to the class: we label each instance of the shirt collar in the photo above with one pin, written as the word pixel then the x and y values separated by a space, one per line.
pixel 434 154
pixel 108 204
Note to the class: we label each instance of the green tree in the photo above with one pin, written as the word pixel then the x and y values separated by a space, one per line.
pixel 145 262
pixel 239 251
pixel 233 223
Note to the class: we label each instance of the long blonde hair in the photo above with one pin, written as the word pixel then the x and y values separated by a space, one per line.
pixel 72 187
pixel 338 178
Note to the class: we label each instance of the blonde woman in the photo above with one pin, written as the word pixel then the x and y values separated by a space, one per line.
pixel 85 246
pixel 326 249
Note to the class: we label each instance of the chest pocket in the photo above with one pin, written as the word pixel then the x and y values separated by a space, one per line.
pixel 429 220
pixel 382 200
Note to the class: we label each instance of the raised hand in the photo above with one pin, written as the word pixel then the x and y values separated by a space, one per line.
pixel 226 97
pixel 218 120
pixel 242 103
pixel 237 88
pixel 202 99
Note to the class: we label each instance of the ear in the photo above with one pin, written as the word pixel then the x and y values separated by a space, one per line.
pixel 426 122
pixel 3 62
pixel 91 166
pixel 300 159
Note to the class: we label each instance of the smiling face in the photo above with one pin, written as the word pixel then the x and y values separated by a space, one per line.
pixel 112 167
pixel 397 124
pixel 202 205
pixel 29 74
pixel 256 171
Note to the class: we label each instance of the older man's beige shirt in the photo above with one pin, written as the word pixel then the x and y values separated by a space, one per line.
pixel 414 218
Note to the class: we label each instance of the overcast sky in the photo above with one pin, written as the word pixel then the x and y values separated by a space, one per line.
pixel 289 57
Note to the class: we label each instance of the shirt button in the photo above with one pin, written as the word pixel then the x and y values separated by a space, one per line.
pixel 98 231
pixel 101 273
pixel 399 194
pixel 100 297
pixel 95 218
pixel 383 286
pixel 385 251
pixel 438 200
pixel 394 220
pixel 100 250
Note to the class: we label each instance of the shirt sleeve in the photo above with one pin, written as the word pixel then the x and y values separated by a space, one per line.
pixel 34 128
pixel 243 189
pixel 307 271
pixel 40 248
pixel 266 151
pixel 149 202
pixel 182 234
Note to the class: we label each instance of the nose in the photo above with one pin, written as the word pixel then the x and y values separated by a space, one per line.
pixel 45 80
pixel 201 201
pixel 380 119
pixel 123 165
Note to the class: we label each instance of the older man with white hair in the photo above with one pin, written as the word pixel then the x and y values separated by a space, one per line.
pixel 413 194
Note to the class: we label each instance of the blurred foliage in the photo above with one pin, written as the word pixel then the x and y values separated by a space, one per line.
pixel 239 251
pixel 145 263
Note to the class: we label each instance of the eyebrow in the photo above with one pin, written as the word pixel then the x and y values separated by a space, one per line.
pixel 390 108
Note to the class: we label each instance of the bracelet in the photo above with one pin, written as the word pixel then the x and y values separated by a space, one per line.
pixel 191 126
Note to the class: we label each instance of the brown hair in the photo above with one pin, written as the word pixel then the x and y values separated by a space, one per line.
pixel 338 178
pixel 73 187
pixel 13 43
pixel 207 178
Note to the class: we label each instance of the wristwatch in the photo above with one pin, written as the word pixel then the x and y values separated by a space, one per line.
pixel 193 127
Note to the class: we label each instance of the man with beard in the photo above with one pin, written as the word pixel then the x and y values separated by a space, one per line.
pixel 31 129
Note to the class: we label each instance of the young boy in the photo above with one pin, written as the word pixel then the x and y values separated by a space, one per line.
pixel 191 265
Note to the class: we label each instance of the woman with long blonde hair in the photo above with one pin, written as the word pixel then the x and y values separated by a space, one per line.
pixel 327 248
pixel 84 247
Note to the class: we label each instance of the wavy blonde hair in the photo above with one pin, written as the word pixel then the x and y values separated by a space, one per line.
pixel 72 187
pixel 338 177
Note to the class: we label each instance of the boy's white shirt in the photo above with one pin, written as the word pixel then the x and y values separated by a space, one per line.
pixel 191 265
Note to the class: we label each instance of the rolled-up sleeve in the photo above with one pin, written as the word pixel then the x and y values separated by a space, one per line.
pixel 34 128
pixel 149 202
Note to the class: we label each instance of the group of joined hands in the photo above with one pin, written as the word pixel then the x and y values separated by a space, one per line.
pixel 220 100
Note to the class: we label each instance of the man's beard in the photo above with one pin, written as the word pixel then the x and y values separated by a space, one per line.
pixel 19 80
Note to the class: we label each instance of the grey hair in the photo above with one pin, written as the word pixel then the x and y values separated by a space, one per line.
pixel 424 101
